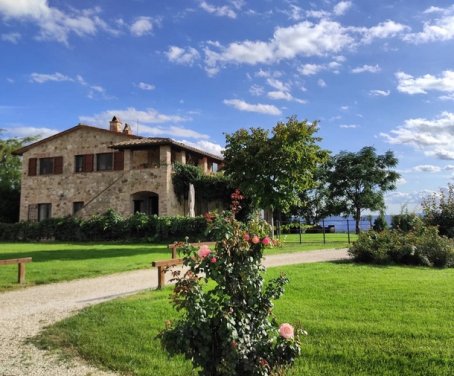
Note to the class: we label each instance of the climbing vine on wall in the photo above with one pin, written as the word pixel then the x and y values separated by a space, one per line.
pixel 208 187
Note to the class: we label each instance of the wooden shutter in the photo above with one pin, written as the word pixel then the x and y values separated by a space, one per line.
pixel 33 212
pixel 58 165
pixel 88 162
pixel 32 166
pixel 119 162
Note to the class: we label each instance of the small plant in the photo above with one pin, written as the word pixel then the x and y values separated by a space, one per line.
pixel 227 327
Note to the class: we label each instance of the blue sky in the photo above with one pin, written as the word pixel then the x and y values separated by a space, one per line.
pixel 377 73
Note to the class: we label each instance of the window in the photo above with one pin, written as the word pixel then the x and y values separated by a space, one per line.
pixel 84 163
pixel 213 167
pixel 44 211
pixel 77 205
pixel 104 162
pixel 32 166
pixel 153 157
pixel 48 166
pixel 110 161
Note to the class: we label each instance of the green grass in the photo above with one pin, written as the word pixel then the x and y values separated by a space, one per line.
pixel 54 262
pixel 362 320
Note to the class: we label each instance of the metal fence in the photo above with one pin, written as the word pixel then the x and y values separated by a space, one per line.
pixel 328 230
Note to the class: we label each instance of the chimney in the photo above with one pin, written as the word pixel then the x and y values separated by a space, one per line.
pixel 127 129
pixel 115 124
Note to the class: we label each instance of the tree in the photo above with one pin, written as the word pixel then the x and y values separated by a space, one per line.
pixel 357 181
pixel 272 170
pixel 10 175
pixel 315 201
pixel 438 210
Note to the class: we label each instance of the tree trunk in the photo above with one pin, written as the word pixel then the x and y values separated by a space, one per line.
pixel 357 219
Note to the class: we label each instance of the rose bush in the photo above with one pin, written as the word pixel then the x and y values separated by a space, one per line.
pixel 227 327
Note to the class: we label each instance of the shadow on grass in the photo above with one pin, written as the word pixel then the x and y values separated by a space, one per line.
pixel 86 253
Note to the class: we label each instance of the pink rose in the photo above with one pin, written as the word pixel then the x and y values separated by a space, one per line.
pixel 266 240
pixel 255 239
pixel 286 331
pixel 213 260
pixel 246 237
pixel 203 251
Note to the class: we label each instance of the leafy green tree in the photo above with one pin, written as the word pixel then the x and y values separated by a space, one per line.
pixel 10 175
pixel 438 209
pixel 357 181
pixel 271 170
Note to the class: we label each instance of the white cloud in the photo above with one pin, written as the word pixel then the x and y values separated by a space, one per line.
pixel 341 7
pixel 367 68
pixel 310 69
pixel 345 108
pixel 53 23
pixel 182 56
pixel 222 11
pixel 305 38
pixel 427 168
pixel 321 83
pixel 173 131
pixel 421 85
pixel 141 26
pixel 133 116
pixel 449 168
pixel 11 37
pixel 41 78
pixel 438 29
pixel 94 91
pixel 284 95
pixel 207 146
pixel 434 137
pixel 383 30
pixel 379 93
pixel 348 126
pixel 449 97
pixel 256 90
pixel 317 14
pixel 277 84
pixel 258 108
pixel 433 9
pixel 28 131
pixel 145 86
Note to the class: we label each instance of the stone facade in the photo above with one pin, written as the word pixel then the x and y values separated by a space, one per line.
pixel 81 172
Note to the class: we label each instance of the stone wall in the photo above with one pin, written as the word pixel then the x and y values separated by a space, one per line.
pixel 99 190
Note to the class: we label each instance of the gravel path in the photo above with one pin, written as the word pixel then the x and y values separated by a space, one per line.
pixel 23 313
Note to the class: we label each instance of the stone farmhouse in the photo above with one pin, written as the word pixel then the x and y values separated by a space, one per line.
pixel 86 170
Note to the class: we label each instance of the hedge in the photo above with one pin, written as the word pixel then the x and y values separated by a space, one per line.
pixel 108 226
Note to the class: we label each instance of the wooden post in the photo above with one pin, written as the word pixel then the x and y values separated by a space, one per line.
pixel 161 277
pixel 21 273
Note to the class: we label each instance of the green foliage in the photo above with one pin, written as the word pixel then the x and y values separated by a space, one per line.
pixel 380 222
pixel 272 170
pixel 405 222
pixel 184 174
pixel 107 226
pixel 438 210
pixel 357 181
pixel 10 173
pixel 420 246
pixel 226 328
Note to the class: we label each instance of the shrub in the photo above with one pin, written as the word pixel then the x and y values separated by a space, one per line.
pixel 107 226
pixel 422 246
pixel 227 328
pixel 405 221
pixel 438 210
pixel 380 223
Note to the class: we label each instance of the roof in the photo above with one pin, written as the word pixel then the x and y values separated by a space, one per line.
pixel 154 141
pixel 70 130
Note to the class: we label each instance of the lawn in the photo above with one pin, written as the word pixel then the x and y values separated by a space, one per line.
pixel 362 320
pixel 54 262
